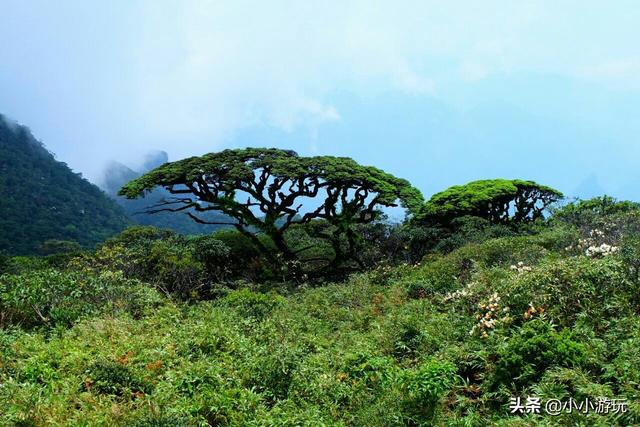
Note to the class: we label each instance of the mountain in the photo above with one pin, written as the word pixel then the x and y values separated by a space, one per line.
pixel 589 187
pixel 116 175
pixel 42 199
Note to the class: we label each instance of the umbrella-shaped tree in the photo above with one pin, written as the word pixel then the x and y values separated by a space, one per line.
pixel 268 190
pixel 497 200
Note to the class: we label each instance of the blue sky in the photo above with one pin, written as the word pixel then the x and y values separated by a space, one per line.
pixel 440 93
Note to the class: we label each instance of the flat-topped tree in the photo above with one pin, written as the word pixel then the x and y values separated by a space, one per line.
pixel 497 200
pixel 268 190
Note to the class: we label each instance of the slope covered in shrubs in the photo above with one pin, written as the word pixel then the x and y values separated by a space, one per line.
pixel 157 329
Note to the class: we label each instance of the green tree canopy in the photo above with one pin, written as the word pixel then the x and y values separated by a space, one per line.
pixel 580 212
pixel 269 190
pixel 497 200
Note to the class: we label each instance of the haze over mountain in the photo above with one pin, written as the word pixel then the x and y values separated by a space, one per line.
pixel 117 174
pixel 42 199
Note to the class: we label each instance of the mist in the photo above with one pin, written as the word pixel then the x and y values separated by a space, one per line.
pixel 436 93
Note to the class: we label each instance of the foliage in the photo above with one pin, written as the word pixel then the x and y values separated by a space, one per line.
pixel 252 304
pixel 54 247
pixel 52 298
pixel 582 211
pixel 496 200
pixel 534 348
pixel 42 199
pixel 423 388
pixel 105 377
pixel 448 323
pixel 275 183
pixel 116 175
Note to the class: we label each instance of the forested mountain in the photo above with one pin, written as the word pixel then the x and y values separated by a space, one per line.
pixel 116 175
pixel 42 199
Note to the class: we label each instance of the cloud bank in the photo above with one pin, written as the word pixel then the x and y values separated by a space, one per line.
pixel 112 80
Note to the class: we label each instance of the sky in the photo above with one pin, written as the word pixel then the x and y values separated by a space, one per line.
pixel 440 93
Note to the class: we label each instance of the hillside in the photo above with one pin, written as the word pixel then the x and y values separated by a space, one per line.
pixel 158 329
pixel 42 199
pixel 495 303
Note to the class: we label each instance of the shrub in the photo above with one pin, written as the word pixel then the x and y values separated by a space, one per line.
pixel 567 288
pixel 369 370
pixel 272 371
pixel 245 259
pixel 113 378
pixel 254 305
pixel 213 254
pixel 158 257
pixel 439 275
pixel 503 252
pixel 530 351
pixel 51 297
pixel 423 388
pixel 630 255
pixel 471 229
pixel 584 212
pixel 53 247
pixel 174 268
pixel 139 236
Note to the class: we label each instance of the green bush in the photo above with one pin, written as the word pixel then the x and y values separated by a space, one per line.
pixel 571 287
pixel 630 255
pixel 113 378
pixel 271 371
pixel 369 370
pixel 51 297
pixel 585 212
pixel 245 259
pixel 440 275
pixel 53 247
pixel 530 351
pixel 139 236
pixel 422 390
pixel 213 254
pixel 161 258
pixel 250 304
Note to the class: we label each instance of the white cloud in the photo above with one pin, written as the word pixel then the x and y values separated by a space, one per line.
pixel 185 75
pixel 210 67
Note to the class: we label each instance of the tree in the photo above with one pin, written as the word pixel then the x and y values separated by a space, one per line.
pixel 586 212
pixel 500 201
pixel 267 190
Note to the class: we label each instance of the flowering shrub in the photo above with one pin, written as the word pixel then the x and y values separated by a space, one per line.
pixel 595 244
pixel 490 316
pixel 566 287
pixel 520 267
pixel 532 311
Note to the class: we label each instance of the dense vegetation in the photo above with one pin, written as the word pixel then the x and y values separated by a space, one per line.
pixel 42 199
pixel 442 327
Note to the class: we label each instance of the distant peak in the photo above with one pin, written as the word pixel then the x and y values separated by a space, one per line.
pixel 153 159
